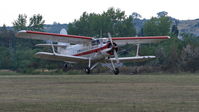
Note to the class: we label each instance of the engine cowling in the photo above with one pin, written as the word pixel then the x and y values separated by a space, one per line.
pixel 113 47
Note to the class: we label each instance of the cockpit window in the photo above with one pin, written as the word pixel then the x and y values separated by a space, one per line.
pixel 95 42
pixel 99 42
pixel 105 40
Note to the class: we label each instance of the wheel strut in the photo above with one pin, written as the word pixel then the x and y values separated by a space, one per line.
pixel 87 70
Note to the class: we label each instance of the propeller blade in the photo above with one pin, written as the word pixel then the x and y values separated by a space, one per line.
pixel 114 50
pixel 110 38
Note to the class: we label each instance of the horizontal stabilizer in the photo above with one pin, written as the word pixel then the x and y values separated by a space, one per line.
pixel 133 59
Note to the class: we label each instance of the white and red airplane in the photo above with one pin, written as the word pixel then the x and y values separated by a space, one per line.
pixel 88 50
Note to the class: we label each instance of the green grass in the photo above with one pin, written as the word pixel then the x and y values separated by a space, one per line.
pixel 99 93
pixel 8 72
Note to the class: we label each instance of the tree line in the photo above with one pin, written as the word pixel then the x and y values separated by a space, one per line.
pixel 173 55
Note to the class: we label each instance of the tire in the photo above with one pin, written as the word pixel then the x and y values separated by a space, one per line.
pixel 65 68
pixel 116 71
pixel 87 70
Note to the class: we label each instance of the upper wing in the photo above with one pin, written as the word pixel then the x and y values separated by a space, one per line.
pixel 54 37
pixel 138 40
pixel 61 57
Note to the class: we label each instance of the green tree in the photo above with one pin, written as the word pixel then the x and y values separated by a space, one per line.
pixel 5 61
pixel 190 58
pixel 36 23
pixel 7 44
pixel 25 49
pixel 174 30
pixel 162 14
pixel 20 23
pixel 151 27
pixel 98 25
pixel 158 25
pixel 164 25
pixel 136 15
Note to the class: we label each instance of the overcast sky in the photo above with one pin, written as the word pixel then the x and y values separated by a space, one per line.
pixel 65 11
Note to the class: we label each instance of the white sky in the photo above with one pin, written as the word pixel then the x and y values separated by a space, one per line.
pixel 65 11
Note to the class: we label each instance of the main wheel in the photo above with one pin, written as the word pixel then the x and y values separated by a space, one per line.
pixel 65 68
pixel 116 71
pixel 87 70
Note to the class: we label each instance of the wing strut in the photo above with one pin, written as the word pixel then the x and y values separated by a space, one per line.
pixel 53 48
pixel 90 67
pixel 138 48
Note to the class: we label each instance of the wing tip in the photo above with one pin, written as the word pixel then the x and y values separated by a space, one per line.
pixel 20 33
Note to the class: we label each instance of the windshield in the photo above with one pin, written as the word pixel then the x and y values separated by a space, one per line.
pixel 95 42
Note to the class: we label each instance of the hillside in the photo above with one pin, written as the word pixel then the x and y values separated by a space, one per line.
pixel 51 28
pixel 189 26
pixel 185 26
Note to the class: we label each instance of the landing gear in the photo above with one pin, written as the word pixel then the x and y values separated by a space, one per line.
pixel 116 71
pixel 65 68
pixel 90 67
pixel 87 70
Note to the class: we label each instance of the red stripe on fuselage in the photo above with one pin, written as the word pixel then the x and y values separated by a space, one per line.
pixel 91 51
pixel 54 34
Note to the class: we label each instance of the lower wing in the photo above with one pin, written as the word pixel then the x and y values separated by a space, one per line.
pixel 61 57
pixel 133 59
pixel 78 59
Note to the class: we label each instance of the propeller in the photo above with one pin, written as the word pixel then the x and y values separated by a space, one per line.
pixel 114 50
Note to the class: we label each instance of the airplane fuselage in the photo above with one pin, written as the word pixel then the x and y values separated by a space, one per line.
pixel 98 49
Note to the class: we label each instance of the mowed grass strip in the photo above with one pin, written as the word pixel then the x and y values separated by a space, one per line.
pixel 99 93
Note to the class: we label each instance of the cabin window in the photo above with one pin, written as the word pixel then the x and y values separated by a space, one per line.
pixel 95 42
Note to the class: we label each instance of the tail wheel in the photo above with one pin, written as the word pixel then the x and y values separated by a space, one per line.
pixel 87 70
pixel 116 71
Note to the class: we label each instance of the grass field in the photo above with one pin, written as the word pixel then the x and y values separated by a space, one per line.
pixel 99 93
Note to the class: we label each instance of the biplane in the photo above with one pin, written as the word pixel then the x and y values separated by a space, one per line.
pixel 88 50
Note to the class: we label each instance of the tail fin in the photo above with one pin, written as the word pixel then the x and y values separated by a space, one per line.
pixel 62 50
pixel 63 31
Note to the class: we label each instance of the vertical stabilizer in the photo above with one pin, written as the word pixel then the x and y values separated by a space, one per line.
pixel 63 31
pixel 62 50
